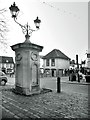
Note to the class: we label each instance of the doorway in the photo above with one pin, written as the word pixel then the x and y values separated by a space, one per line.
pixel 52 73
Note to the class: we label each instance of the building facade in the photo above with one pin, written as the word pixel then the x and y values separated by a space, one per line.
pixel 6 64
pixel 55 63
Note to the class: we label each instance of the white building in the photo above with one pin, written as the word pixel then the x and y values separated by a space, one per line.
pixel 6 64
pixel 55 62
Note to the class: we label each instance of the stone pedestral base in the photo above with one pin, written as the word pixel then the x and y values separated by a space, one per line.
pixel 35 89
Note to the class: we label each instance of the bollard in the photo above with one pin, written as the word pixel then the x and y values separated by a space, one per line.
pixel 58 85
pixel 78 78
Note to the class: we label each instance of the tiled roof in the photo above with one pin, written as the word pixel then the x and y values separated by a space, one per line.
pixel 5 59
pixel 56 54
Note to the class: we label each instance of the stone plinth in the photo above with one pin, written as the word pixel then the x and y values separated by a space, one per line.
pixel 27 59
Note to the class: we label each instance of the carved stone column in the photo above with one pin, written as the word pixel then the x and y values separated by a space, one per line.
pixel 27 59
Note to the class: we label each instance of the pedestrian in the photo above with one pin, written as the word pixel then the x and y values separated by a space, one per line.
pixel 70 74
pixel 65 72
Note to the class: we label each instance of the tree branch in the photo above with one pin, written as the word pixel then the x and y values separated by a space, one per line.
pixel 3 28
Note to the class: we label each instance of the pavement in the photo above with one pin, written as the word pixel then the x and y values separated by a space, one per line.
pixel 82 81
pixel 46 105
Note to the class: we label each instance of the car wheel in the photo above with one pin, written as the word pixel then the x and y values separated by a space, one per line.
pixel 3 82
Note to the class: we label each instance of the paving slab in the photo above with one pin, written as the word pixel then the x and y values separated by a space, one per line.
pixel 45 105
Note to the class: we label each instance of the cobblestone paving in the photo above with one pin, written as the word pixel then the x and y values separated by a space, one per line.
pixel 47 105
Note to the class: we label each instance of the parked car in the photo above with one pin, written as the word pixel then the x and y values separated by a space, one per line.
pixel 3 78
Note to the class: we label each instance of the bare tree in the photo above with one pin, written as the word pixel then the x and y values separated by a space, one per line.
pixel 3 29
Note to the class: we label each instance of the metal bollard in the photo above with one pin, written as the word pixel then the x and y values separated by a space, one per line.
pixel 78 78
pixel 58 85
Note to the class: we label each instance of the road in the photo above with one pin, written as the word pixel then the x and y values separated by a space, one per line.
pixel 51 83
pixel 65 86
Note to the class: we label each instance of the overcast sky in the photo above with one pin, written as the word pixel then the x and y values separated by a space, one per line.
pixel 64 25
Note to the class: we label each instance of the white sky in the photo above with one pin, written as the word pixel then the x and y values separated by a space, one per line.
pixel 64 25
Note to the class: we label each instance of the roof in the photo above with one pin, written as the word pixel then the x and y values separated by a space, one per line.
pixel 5 59
pixel 56 54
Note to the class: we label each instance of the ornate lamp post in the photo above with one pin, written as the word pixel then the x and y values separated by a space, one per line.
pixel 27 59
pixel 26 29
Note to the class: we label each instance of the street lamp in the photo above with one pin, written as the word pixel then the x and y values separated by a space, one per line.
pixel 26 29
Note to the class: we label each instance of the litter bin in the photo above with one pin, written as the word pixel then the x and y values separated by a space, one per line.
pixel 74 77
pixel 87 78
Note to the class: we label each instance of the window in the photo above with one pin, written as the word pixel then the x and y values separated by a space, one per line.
pixel 2 65
pixel 52 62
pixel 47 62
pixel 11 65
pixel 7 65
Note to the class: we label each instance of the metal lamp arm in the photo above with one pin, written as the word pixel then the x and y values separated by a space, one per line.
pixel 18 23
pixel 24 28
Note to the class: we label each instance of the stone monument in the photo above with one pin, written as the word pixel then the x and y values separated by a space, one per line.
pixel 27 59
pixel 27 76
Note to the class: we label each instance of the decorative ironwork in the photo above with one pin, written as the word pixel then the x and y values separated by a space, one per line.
pixel 26 29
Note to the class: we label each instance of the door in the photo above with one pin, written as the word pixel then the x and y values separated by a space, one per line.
pixel 60 73
pixel 52 73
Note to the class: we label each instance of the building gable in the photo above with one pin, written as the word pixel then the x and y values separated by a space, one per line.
pixel 5 59
pixel 56 54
